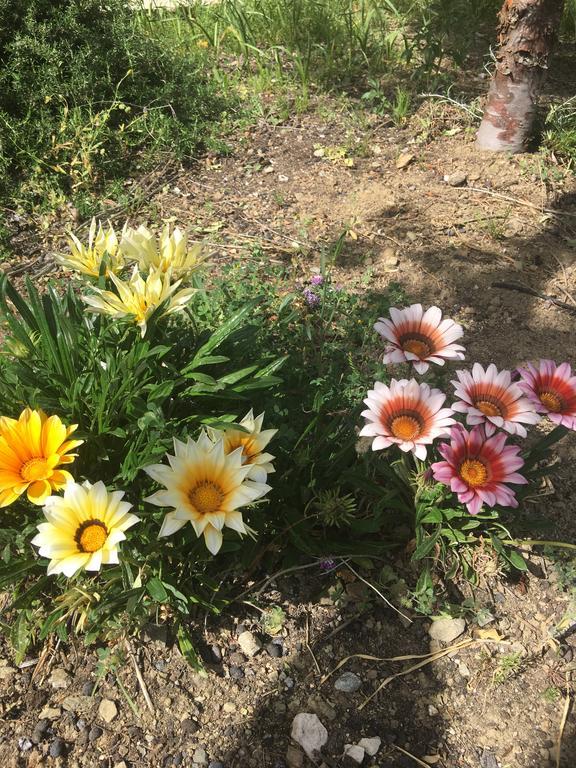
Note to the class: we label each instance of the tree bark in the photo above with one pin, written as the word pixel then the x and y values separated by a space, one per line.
pixel 527 32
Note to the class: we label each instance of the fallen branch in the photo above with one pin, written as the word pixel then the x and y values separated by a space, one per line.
pixel 520 288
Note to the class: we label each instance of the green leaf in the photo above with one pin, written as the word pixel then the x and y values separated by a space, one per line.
pixel 188 651
pixel 427 545
pixel 156 590
pixel 515 559
pixel 21 636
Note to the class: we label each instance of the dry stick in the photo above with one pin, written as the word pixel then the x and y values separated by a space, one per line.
pixel 565 711
pixel 520 288
pixel 139 677
pixel 409 754
pixel 388 603
pixel 519 201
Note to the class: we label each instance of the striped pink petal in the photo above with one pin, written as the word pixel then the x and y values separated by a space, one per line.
pixel 551 389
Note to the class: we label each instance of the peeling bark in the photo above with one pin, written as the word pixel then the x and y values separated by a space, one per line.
pixel 527 32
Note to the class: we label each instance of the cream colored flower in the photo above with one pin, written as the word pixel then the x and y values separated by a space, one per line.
pixel 206 487
pixel 88 259
pixel 138 299
pixel 169 252
pixel 252 441
pixel 84 528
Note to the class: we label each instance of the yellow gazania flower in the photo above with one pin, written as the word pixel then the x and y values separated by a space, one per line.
pixel 252 442
pixel 31 450
pixel 206 487
pixel 138 299
pixel 88 260
pixel 84 528
pixel 171 252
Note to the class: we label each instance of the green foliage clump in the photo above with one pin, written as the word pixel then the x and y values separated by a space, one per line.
pixel 85 88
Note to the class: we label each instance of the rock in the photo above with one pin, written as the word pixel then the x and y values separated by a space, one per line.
pixel 348 683
pixel 446 630
pixel 404 160
pixel 50 713
pixel 76 703
pixel 370 746
pixel 274 650
pixel 309 733
pixel 354 752
pixel 237 658
pixel 57 748
pixel 59 679
pixel 88 688
pixel 294 758
pixel 249 644
pixel 94 733
pixel 321 707
pixel 121 764
pixel 488 759
pixel 457 179
pixel 107 710
pixel 389 258
pixel 199 756
pixel 188 727
pixel 236 672
pixel 215 764
pixel 216 654
pixel 40 730
pixel 229 706
pixel 24 745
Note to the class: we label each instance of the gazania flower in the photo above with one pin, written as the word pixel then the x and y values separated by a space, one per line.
pixel 252 441
pixel 552 390
pixel 88 259
pixel 420 337
pixel 169 252
pixel 490 398
pixel 84 528
pixel 139 299
pixel 477 468
pixel 32 448
pixel 408 414
pixel 206 486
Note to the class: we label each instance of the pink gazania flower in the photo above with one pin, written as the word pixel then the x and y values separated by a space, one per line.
pixel 477 468
pixel 490 398
pixel 552 390
pixel 407 414
pixel 420 337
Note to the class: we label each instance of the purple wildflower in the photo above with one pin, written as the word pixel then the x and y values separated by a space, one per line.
pixel 317 280
pixel 327 564
pixel 311 298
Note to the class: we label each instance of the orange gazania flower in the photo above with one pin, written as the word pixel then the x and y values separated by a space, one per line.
pixel 491 398
pixel 420 337
pixel 407 414
pixel 31 450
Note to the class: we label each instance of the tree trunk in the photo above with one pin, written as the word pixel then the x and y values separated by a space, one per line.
pixel 527 32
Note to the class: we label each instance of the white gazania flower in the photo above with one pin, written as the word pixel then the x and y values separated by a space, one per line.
pixel 139 299
pixel 491 398
pixel 84 528
pixel 206 487
pixel 407 414
pixel 252 440
pixel 170 252
pixel 420 337
pixel 88 259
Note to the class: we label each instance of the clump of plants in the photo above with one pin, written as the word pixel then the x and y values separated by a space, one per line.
pixel 88 91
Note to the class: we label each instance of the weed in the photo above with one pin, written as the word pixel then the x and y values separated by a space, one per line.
pixel 509 666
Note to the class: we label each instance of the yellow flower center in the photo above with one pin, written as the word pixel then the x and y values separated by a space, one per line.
pixel 551 401
pixel 473 472
pixel 91 536
pixel 405 427
pixel 35 469
pixel 206 497
pixel 488 408
pixel 418 347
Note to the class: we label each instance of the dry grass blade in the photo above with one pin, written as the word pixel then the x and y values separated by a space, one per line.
pixel 565 710
pixel 141 681
pixel 411 756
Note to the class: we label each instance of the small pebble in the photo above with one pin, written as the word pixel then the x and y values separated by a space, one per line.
pixel 215 764
pixel 40 730
pixel 88 688
pixel 216 654
pixel 95 733
pixel 236 672
pixel 199 756
pixel 348 683
pixel 57 748
pixel 249 644
pixel 274 650
pixel 24 745
pixel 188 726
pixel 107 710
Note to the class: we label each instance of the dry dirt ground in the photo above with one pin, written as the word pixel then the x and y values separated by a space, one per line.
pixel 287 192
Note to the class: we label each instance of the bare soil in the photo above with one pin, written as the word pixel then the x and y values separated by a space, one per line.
pixel 287 192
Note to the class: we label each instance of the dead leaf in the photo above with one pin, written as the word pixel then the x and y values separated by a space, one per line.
pixel 404 160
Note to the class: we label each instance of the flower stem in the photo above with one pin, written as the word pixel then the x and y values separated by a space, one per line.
pixel 538 543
